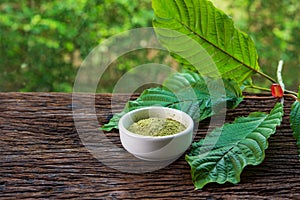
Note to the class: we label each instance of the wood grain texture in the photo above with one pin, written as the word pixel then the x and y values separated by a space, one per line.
pixel 43 157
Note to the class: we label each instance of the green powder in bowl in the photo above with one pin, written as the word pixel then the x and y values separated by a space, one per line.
pixel 156 127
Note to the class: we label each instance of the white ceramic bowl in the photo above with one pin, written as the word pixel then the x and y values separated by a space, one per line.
pixel 156 148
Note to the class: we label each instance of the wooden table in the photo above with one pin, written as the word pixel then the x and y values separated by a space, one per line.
pixel 42 156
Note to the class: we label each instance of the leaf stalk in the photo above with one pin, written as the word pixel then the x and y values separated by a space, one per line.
pixel 266 76
pixel 292 96
pixel 291 92
pixel 288 93
pixel 260 88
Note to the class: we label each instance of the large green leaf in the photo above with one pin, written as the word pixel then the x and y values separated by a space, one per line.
pixel 238 144
pixel 202 97
pixel 295 121
pixel 189 92
pixel 150 97
pixel 214 35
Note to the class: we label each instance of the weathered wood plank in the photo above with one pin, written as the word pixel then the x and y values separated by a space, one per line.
pixel 42 156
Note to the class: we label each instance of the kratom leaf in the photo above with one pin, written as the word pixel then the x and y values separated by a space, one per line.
pixel 189 92
pixel 197 95
pixel 150 97
pixel 113 122
pixel 295 121
pixel 238 144
pixel 214 35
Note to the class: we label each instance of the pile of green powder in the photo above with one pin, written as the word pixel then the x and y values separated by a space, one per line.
pixel 156 127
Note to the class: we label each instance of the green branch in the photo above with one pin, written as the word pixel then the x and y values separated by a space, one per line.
pixel 260 88
pixel 266 76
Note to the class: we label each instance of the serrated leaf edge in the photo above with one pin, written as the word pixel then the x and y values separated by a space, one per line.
pixel 275 116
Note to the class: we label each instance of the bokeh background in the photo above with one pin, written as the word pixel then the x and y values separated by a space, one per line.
pixel 43 43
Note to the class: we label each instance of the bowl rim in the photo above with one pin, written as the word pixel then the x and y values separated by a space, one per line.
pixel 187 130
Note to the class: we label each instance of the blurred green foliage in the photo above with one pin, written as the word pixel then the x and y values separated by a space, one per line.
pixel 42 43
pixel 274 26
